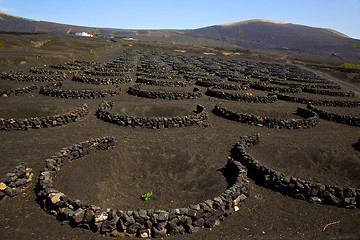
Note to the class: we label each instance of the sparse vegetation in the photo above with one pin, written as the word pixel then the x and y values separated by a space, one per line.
pixel 46 42
pixel 92 53
pixel 13 46
pixel 147 196
pixel 350 65
pixel 310 180
pixel 30 41
pixel 1 45
pixel 197 46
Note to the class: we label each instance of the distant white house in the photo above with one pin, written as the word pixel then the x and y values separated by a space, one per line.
pixel 84 34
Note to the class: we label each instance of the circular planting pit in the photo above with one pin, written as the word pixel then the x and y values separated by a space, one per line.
pixel 222 85
pixel 305 85
pixel 294 187
pixel 319 100
pixel 100 81
pixel 310 118
pixel 307 95
pixel 339 118
pixel 197 118
pixel 53 90
pixel 43 122
pixel 18 76
pixel 162 94
pixel 247 96
pixel 164 83
pixel 17 91
pixel 141 223
pixel 274 88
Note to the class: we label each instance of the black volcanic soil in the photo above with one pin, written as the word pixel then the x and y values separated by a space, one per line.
pixel 181 166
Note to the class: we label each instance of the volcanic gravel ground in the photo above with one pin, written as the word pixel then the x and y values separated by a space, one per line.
pixel 181 166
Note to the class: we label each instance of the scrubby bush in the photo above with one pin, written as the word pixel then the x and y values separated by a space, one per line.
pixel 46 42
pixel 350 65
pixel 92 53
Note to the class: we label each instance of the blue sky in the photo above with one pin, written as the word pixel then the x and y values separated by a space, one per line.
pixel 340 15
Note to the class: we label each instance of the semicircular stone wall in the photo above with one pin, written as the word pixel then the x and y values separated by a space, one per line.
pixel 353 121
pixel 13 183
pixel 241 97
pixel 291 186
pixel 52 91
pixel 43 122
pixel 141 223
pixel 136 90
pixel 333 103
pixel 17 91
pixel 18 76
pixel 100 81
pixel 198 118
pixel 310 119
pixel 164 83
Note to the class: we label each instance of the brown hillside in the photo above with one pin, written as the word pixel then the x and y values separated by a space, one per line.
pixel 255 34
pixel 283 36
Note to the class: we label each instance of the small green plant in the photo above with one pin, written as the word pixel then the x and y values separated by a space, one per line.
pixel 23 62
pixel 147 196
pixel 30 41
pixel 92 53
pixel 46 42
pixel 197 46
pixel 12 46
pixel 310 180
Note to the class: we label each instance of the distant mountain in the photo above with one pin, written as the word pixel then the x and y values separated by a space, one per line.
pixel 11 23
pixel 258 34
pixel 282 36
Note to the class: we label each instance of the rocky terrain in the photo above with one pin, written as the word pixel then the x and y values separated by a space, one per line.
pixel 233 144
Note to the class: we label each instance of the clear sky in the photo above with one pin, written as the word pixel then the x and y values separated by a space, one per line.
pixel 340 15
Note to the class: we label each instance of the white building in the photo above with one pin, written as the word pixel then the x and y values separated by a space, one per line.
pixel 84 34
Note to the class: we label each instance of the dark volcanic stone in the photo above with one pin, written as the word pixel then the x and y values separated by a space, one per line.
pixel 172 224
pixel 158 233
pixel 212 221
pixel 133 228
pixel 199 223
pixel 332 200
pixel 89 215
pixel 163 216
pixel 78 216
